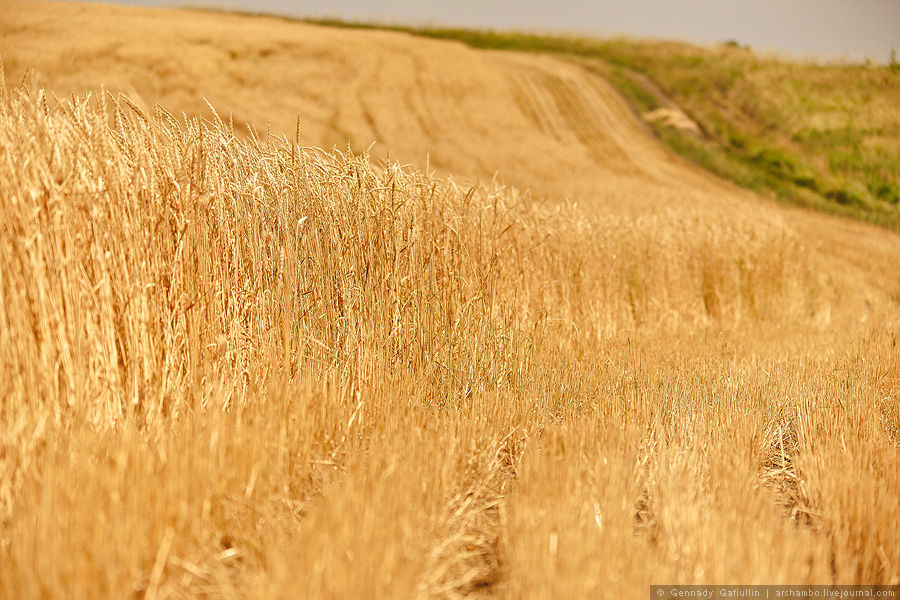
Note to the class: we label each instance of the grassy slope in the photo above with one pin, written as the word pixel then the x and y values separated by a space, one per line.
pixel 822 136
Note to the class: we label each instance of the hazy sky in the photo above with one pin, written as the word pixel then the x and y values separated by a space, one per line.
pixel 824 28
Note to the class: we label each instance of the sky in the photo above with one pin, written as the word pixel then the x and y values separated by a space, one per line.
pixel 826 29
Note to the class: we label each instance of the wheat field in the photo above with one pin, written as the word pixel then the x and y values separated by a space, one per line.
pixel 538 357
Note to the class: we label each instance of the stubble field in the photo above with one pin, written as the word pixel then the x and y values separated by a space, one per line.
pixel 538 357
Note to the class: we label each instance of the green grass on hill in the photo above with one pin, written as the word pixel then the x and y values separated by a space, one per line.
pixel 826 136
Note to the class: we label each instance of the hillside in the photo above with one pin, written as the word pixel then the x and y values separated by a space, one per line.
pixel 540 356
pixel 821 135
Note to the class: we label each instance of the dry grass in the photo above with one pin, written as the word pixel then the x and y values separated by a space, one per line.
pixel 235 367
pixel 239 366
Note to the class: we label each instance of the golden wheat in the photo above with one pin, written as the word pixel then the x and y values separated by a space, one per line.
pixel 242 367
pixel 232 366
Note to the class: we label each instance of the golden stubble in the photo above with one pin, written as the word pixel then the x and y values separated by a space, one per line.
pixel 233 366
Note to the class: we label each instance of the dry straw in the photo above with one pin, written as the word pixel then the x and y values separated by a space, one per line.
pixel 233 366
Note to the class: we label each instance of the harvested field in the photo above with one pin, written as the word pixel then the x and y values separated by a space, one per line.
pixel 538 357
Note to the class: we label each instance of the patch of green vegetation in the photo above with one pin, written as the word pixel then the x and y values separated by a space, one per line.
pixel 826 136
pixel 640 98
pixel 749 119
